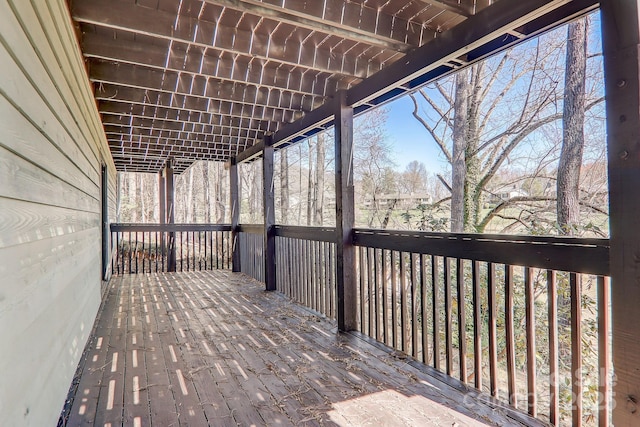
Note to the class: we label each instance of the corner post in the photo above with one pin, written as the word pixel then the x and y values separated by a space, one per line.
pixel 269 215
pixel 621 45
pixel 345 217
pixel 235 214
pixel 170 207
pixel 162 207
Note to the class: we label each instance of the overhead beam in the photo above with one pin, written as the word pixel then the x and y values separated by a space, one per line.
pixel 133 122
pixel 184 84
pixel 207 63
pixel 318 23
pixel 479 30
pixel 127 16
pixel 212 142
pixel 452 6
pixel 217 105
pixel 149 111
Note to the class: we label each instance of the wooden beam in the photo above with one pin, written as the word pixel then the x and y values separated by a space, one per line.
pixel 179 114
pixel 485 26
pixel 349 31
pixel 126 16
pixel 345 216
pixel 135 76
pixel 452 6
pixel 621 45
pixel 198 104
pixel 269 215
pixel 251 153
pixel 208 63
pixel 170 197
pixel 234 192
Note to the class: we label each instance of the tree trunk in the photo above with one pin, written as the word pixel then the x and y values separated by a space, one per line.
pixel 568 208
pixel 189 201
pixel 459 168
pixel 473 192
pixel 310 185
pixel 319 184
pixel 284 186
pixel 143 205
pixel 206 191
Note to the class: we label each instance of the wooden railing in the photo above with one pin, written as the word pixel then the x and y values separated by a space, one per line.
pixel 251 241
pixel 146 248
pixel 305 266
pixel 525 319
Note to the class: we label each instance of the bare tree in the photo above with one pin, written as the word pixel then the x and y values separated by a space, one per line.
pixel 568 206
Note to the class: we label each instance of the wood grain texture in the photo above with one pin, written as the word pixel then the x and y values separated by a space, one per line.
pixel 249 357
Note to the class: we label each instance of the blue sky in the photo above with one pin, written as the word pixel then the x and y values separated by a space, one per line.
pixel 410 141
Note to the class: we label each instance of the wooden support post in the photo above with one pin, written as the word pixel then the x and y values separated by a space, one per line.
pixel 162 208
pixel 345 253
pixel 621 45
pixel 162 197
pixel 170 207
pixel 269 216
pixel 235 214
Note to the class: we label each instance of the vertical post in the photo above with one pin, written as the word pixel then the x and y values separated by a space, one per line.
pixel 269 216
pixel 106 234
pixel 162 210
pixel 345 253
pixel 621 45
pixel 235 214
pixel 162 198
pixel 170 207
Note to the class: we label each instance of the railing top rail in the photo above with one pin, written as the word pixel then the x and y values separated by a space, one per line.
pixel 589 256
pixel 251 228
pixel 318 234
pixel 133 227
pixel 557 240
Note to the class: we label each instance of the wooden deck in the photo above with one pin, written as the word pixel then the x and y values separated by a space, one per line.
pixel 213 348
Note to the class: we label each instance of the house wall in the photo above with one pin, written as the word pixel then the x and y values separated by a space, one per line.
pixel 51 150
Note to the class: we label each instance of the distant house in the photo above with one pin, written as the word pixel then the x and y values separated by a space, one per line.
pixel 402 201
pixel 506 194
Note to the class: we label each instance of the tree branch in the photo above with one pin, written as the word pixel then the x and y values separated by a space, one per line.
pixel 429 129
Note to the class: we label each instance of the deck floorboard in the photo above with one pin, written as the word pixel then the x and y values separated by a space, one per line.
pixel 213 348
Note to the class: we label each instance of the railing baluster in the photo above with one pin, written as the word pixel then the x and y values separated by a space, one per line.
pixel 462 320
pixel 493 326
pixel 403 302
pixel 604 324
pixel 554 378
pixel 415 277
pixel 130 250
pixel 532 401
pixel 477 325
pixel 447 315
pixel 435 306
pixel 510 339
pixel 394 300
pixel 361 283
pixel 575 282
pixel 135 254
pixel 385 299
pixel 423 309
pixel 377 284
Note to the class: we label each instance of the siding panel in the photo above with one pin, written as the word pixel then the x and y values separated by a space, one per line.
pixel 51 150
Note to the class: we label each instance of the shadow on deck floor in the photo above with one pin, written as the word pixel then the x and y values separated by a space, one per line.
pixel 213 348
